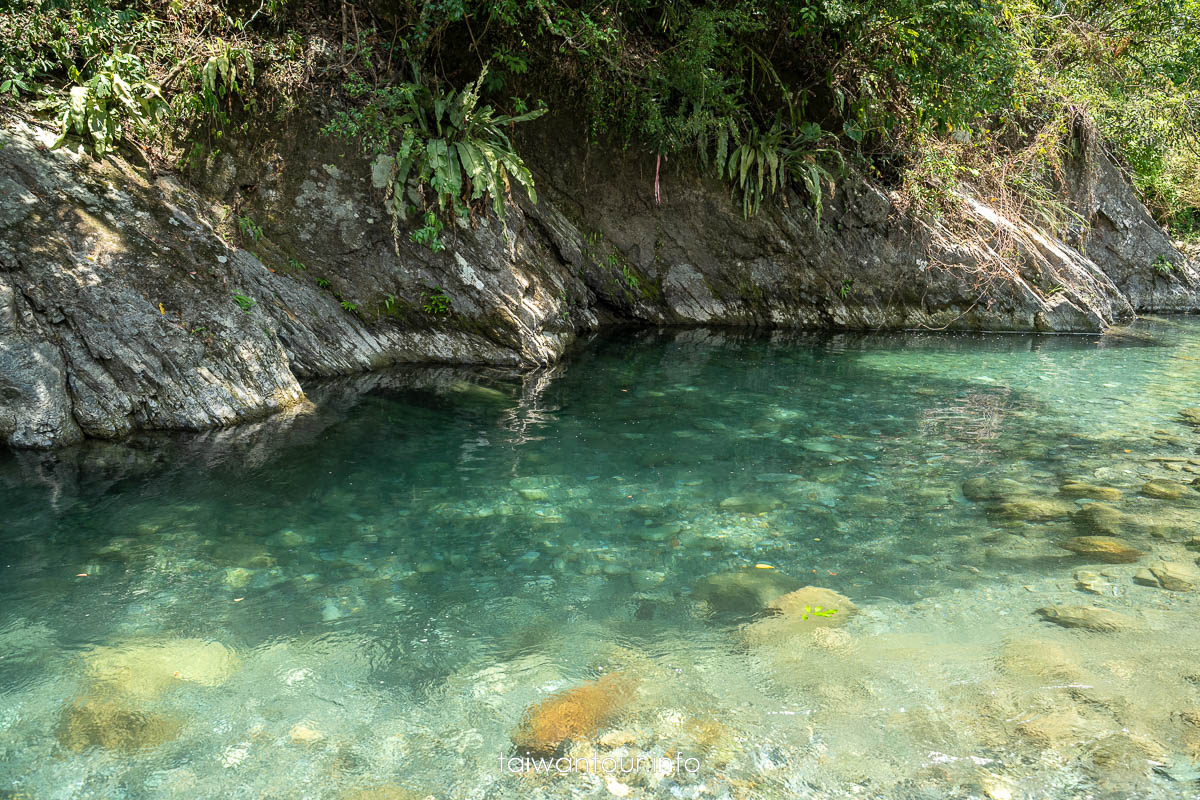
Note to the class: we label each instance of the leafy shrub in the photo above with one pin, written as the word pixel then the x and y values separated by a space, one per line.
pixel 117 94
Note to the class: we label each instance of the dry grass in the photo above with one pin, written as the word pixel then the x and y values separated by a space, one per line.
pixel 985 200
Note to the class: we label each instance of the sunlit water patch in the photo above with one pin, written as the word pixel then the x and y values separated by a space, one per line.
pixel 684 565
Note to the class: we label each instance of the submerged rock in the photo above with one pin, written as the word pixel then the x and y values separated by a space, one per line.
pixel 1080 489
pixel 1168 490
pixel 1088 580
pixel 147 669
pixel 113 725
pixel 576 714
pixel 1102 519
pixel 1109 549
pixel 1190 415
pixel 1057 728
pixel 1089 618
pixel 387 791
pixel 812 604
pixel 1033 509
pixel 1041 659
pixel 1171 575
pixel 303 734
pixel 982 489
pixel 802 611
pixel 750 504
pixel 746 591
pixel 1126 755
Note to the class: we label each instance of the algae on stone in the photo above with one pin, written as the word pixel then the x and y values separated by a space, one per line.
pixel 1032 509
pixel 1081 489
pixel 113 725
pixel 1168 490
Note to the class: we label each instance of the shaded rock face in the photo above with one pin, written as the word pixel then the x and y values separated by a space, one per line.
pixel 117 288
pixel 1123 239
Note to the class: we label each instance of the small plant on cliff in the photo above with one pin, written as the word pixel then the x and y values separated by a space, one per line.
pixel 244 302
pixel 437 302
pixel 249 228
pixel 430 234
pixel 443 139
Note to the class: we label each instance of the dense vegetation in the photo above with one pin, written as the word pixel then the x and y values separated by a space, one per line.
pixel 927 94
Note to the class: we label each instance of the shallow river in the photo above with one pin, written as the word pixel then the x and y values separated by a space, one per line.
pixel 422 589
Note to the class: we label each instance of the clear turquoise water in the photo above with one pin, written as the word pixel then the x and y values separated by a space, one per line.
pixel 395 578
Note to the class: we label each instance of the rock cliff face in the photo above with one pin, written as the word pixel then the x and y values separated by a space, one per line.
pixel 131 301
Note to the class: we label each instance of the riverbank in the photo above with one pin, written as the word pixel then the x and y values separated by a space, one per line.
pixel 130 300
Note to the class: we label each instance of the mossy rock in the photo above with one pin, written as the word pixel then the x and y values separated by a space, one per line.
pixel 113 725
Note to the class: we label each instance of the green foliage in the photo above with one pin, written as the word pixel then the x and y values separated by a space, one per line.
pixel 443 139
pixel 348 306
pixel 226 74
pixel 250 230
pixel 771 95
pixel 430 234
pixel 244 302
pixel 761 165
pixel 437 302
pixel 1134 69
pixel 220 75
pixel 631 279
pixel 117 95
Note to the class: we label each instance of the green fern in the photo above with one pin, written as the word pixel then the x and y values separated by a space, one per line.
pixel 444 140
pixel 761 165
